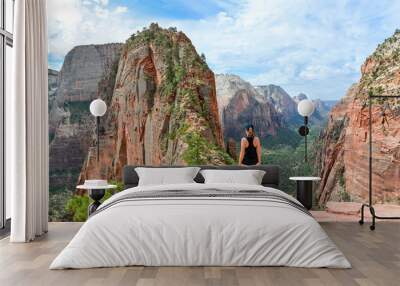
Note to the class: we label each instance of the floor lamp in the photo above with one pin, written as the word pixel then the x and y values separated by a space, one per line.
pixel 305 108
pixel 369 205
pixel 98 108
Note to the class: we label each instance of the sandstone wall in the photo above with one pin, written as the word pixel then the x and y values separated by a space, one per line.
pixel 163 108
pixel 344 154
pixel 241 104
pixel 282 102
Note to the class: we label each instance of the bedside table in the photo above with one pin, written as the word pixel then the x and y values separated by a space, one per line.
pixel 304 190
pixel 96 193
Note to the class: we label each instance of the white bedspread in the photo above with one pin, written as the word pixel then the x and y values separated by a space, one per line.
pixel 200 231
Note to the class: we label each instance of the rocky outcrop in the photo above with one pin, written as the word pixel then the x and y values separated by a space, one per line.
pixel 321 107
pixel 163 110
pixel 228 85
pixel 330 103
pixel 82 70
pixel 71 125
pixel 283 103
pixel 241 104
pixel 244 109
pixel 269 107
pixel 232 149
pixel 343 158
pixel 53 81
pixel 55 113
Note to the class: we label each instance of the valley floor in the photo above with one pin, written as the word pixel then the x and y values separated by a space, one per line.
pixel 374 255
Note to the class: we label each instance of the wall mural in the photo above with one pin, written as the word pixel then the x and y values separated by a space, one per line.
pixel 166 106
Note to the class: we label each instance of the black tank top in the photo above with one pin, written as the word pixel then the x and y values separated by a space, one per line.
pixel 250 153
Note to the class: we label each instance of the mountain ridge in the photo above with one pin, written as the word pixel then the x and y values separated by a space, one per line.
pixel 284 104
pixel 343 158
pixel 163 108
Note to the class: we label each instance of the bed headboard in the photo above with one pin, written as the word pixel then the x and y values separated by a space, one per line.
pixel 270 179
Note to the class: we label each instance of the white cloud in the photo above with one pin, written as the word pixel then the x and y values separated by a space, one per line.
pixel 303 44
pixel 101 2
pixel 120 9
pixel 295 44
pixel 281 76
pixel 76 22
pixel 316 72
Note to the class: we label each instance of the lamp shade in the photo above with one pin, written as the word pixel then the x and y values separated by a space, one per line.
pixel 305 107
pixel 98 107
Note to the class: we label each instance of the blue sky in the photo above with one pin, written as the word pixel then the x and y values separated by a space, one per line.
pixel 310 46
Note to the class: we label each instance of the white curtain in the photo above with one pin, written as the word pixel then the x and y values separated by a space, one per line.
pixel 27 157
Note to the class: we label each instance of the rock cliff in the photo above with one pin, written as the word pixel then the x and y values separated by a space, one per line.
pixel 343 158
pixel 82 70
pixel 53 81
pixel 71 125
pixel 283 103
pixel 322 108
pixel 163 109
pixel 228 85
pixel 55 113
pixel 240 104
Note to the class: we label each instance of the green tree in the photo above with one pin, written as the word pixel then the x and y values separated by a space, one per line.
pixel 201 152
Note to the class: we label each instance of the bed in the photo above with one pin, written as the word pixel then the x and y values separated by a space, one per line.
pixel 198 224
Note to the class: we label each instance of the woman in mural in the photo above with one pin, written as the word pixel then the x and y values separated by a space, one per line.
pixel 250 148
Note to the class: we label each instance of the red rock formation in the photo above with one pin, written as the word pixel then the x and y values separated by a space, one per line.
pixel 231 149
pixel 244 109
pixel 283 103
pixel 241 104
pixel 164 98
pixel 344 154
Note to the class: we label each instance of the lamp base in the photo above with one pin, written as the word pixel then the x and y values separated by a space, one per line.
pixel 303 130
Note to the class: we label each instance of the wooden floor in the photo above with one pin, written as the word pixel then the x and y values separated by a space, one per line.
pixel 375 257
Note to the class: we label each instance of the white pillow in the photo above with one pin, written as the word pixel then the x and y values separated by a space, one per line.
pixel 248 177
pixel 166 176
